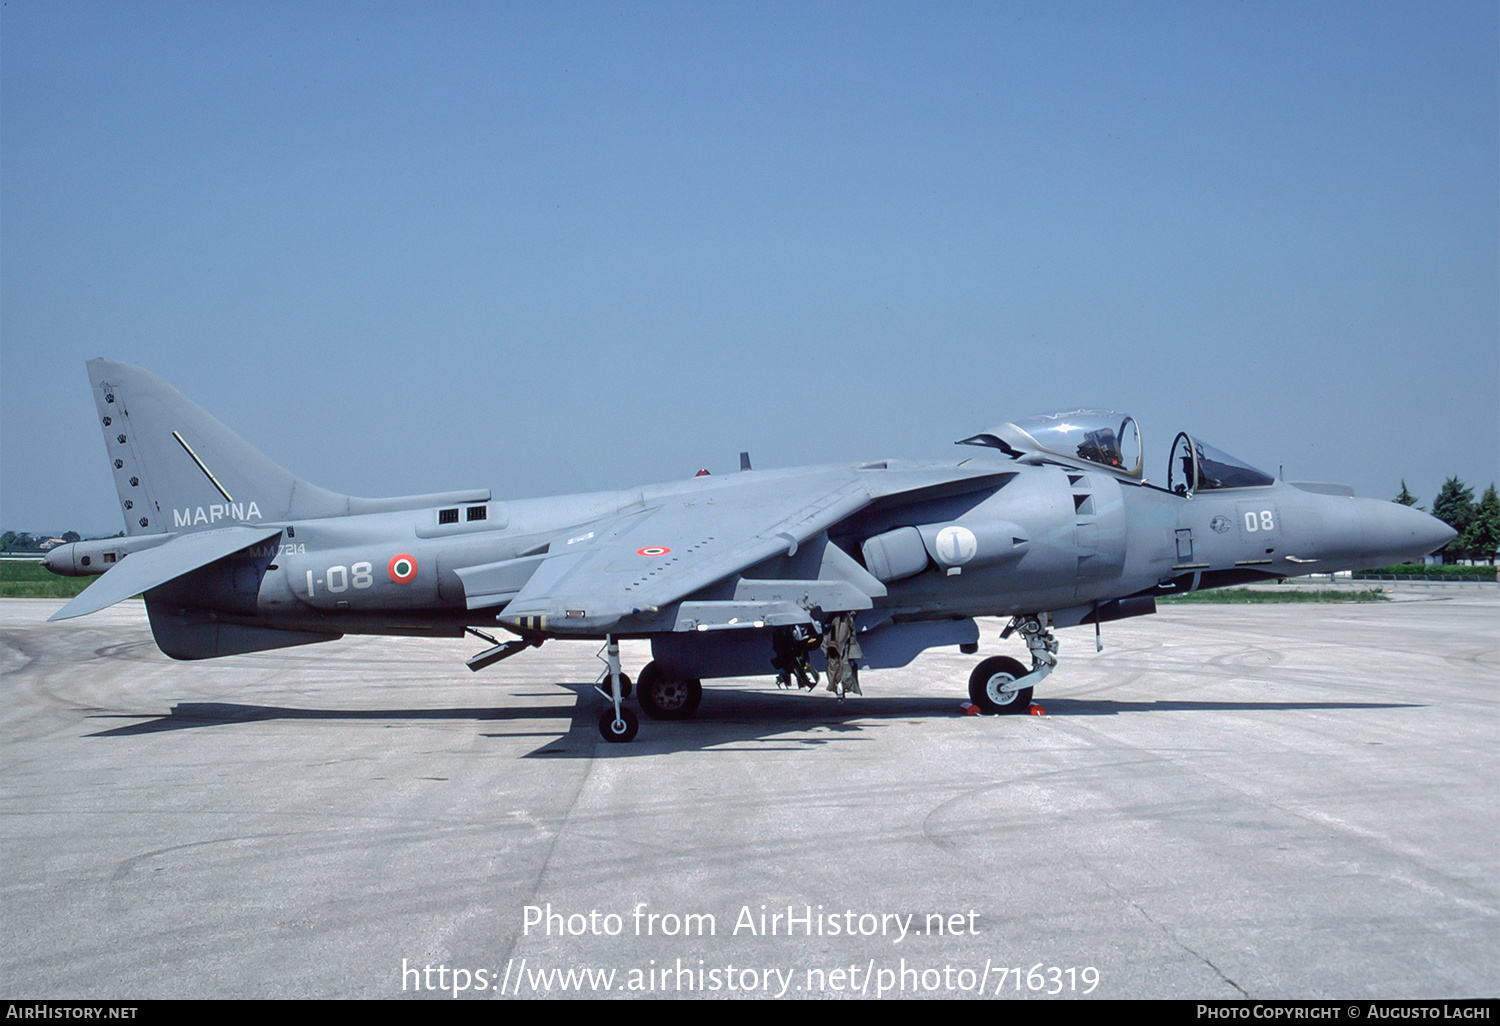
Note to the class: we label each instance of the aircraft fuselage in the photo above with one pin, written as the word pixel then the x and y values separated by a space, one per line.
pixel 1072 538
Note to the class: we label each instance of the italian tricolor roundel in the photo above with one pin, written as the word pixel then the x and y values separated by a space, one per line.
pixel 402 569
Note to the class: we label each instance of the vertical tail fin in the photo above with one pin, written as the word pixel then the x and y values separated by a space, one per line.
pixel 176 468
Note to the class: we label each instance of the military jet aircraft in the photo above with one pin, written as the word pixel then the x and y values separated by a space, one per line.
pixel 802 572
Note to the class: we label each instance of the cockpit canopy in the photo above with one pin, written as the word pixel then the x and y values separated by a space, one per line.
pixel 1112 441
pixel 1089 438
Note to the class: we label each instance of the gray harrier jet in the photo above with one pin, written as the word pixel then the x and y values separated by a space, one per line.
pixel 803 572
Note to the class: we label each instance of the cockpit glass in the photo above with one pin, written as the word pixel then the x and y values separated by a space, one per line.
pixel 1102 437
pixel 1220 470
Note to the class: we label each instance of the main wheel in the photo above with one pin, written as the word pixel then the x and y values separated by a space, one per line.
pixel 665 699
pixel 992 686
pixel 618 731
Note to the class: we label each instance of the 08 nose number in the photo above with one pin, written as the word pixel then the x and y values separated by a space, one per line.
pixel 1265 520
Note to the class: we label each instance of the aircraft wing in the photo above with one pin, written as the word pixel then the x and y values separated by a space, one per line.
pixel 620 573
pixel 143 570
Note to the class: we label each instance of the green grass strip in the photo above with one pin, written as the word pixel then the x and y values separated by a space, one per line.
pixel 1482 572
pixel 22 578
pixel 1248 595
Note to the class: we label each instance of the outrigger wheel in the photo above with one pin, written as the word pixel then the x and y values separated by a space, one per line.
pixel 621 730
pixel 992 686
pixel 665 699
pixel 626 688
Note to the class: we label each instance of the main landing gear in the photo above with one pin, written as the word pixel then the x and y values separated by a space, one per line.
pixel 664 698
pixel 1001 684
pixel 998 685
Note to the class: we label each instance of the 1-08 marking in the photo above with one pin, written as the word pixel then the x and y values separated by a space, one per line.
pixel 338 578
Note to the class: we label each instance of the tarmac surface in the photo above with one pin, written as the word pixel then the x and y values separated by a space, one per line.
pixel 1230 801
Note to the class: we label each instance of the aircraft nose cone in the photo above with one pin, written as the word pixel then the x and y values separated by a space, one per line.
pixel 1436 534
pixel 1401 532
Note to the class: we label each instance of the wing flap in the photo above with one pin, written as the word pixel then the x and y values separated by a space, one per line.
pixel 143 570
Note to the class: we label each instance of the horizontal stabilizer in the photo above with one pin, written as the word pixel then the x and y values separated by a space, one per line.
pixel 141 571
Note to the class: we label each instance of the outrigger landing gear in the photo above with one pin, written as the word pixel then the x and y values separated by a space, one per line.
pixel 618 730
pixel 1001 684
pixel 617 724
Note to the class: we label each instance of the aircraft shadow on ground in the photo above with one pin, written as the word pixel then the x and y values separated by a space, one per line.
pixel 193 715
pixel 788 721
pixel 728 717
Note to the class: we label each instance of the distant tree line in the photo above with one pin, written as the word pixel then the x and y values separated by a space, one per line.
pixel 1477 523
pixel 14 541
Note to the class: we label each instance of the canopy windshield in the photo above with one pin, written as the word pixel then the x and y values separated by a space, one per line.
pixel 1218 469
pixel 1196 467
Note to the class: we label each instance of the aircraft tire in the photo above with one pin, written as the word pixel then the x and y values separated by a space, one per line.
pixel 629 721
pixel 987 683
pixel 626 688
pixel 664 699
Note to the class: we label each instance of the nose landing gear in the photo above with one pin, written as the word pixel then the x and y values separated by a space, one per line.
pixel 1001 684
pixel 993 687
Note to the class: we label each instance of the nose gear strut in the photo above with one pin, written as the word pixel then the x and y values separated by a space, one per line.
pixel 1036 631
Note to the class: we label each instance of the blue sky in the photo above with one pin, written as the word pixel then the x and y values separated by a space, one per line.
pixel 547 248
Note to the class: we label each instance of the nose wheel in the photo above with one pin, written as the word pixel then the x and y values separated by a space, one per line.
pixel 1001 684
pixel 993 686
